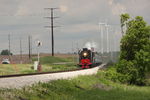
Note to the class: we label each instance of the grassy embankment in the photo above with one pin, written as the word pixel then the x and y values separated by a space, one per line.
pixel 47 65
pixel 95 87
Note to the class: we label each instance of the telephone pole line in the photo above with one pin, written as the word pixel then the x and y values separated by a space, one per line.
pixel 9 46
pixel 107 37
pixel 31 46
pixel 20 51
pixel 101 25
pixel 52 26
pixel 29 41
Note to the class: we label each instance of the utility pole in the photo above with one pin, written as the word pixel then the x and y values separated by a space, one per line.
pixel 9 46
pixel 30 46
pixel 102 40
pixel 115 46
pixel 115 40
pixel 29 41
pixel 20 51
pixel 102 35
pixel 77 44
pixel 111 34
pixel 52 26
pixel 73 52
pixel 107 36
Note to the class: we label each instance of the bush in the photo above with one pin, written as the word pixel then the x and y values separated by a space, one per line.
pixel 128 73
pixel 125 72
pixel 111 74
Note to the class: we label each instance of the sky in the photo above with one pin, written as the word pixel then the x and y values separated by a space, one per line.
pixel 78 23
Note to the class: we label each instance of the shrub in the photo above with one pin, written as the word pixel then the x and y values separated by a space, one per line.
pixel 129 73
pixel 111 74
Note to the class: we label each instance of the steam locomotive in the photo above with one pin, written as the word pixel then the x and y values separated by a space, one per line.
pixel 88 58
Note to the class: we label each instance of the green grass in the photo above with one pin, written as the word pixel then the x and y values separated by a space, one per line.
pixel 8 69
pixel 94 87
pixel 51 60
pixel 46 62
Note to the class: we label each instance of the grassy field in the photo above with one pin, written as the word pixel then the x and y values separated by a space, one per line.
pixel 50 60
pixel 47 65
pixel 94 87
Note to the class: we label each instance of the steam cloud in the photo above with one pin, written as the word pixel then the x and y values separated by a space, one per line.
pixel 90 45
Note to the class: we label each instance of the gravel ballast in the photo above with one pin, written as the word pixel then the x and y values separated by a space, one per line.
pixel 19 82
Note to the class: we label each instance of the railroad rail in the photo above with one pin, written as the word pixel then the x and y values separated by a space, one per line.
pixel 37 73
pixel 21 80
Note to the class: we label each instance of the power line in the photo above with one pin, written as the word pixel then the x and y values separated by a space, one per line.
pixel 52 26
pixel 23 15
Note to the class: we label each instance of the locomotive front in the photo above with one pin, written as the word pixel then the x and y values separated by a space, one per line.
pixel 85 58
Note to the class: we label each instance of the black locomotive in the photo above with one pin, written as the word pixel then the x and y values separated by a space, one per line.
pixel 88 58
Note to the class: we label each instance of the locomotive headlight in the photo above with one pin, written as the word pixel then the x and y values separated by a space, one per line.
pixel 84 54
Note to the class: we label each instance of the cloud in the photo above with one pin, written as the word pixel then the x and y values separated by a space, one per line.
pixel 110 2
pixel 78 19
pixel 116 7
pixel 81 28
pixel 22 11
pixel 63 8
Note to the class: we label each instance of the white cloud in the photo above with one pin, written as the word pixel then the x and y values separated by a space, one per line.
pixel 83 28
pixel 63 8
pixel 78 18
pixel 22 11
pixel 117 8
pixel 110 2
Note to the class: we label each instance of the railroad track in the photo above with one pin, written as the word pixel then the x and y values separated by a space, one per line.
pixel 21 80
pixel 37 73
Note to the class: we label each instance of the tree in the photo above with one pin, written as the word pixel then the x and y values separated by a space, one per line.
pixel 123 20
pixel 135 50
pixel 136 38
pixel 6 52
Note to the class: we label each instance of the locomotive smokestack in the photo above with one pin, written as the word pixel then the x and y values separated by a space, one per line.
pixel 85 49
